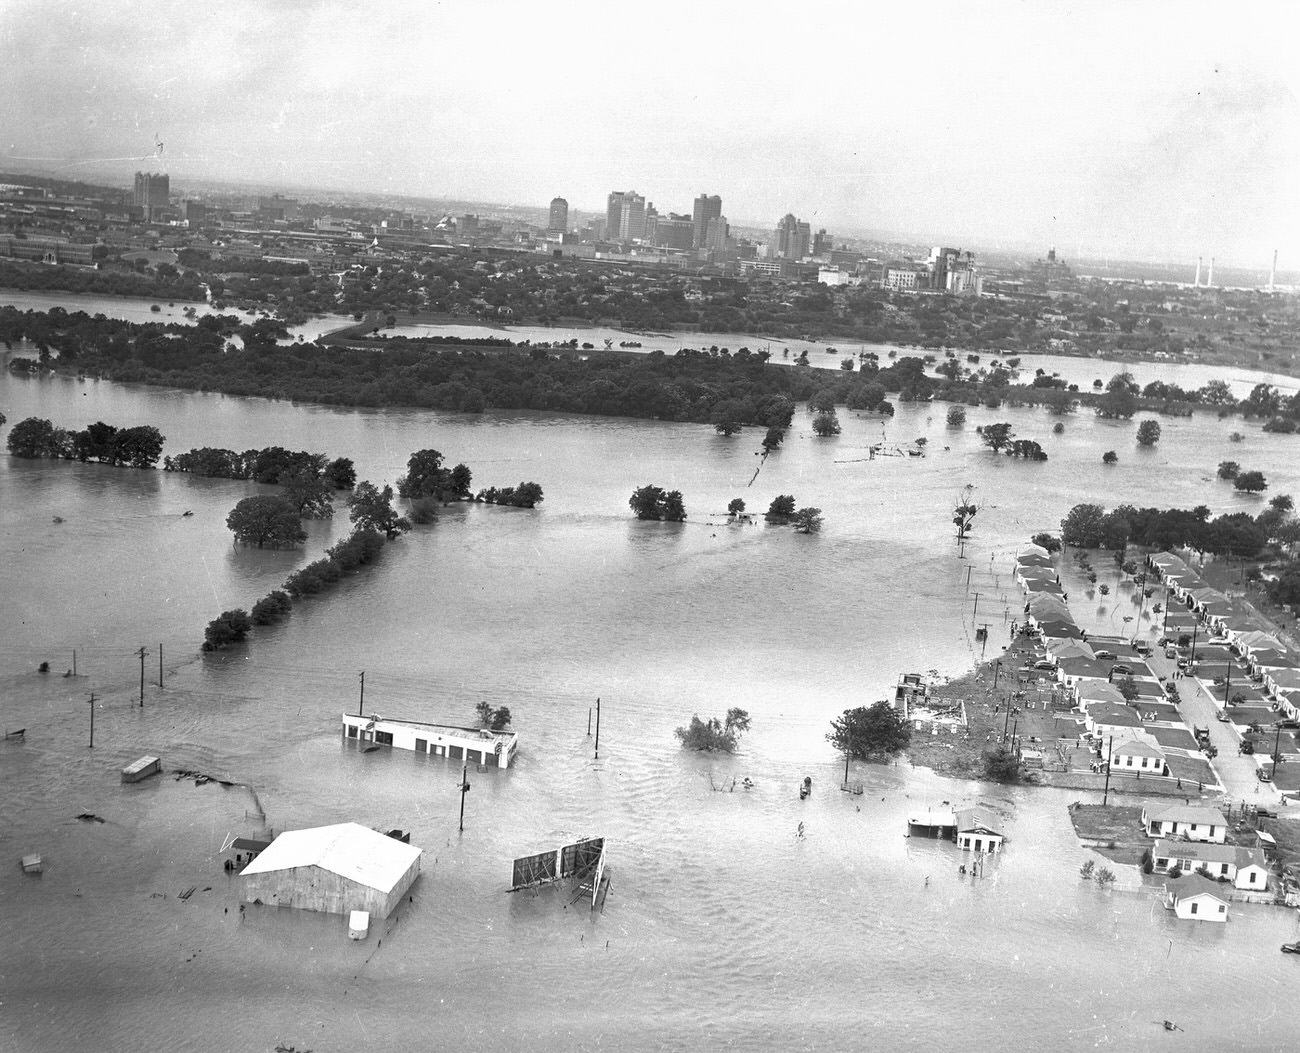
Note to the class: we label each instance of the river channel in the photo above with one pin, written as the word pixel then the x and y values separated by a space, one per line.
pixel 724 928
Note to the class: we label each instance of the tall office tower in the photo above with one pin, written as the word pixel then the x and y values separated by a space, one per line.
pixel 791 239
pixel 152 191
pixel 675 232
pixel 559 220
pixel 614 215
pixel 706 208
pixel 715 238
pixel 631 223
pixel 823 243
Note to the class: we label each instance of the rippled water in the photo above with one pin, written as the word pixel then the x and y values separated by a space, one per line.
pixel 723 929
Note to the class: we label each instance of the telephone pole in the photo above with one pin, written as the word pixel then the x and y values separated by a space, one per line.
pixel 361 706
pixel 92 720
pixel 1110 744
pixel 464 789
pixel 597 753
pixel 141 677
pixel 160 671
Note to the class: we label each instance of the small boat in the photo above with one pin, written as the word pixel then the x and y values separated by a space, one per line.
pixel 358 924
pixel 32 864
pixel 20 733
pixel 1291 948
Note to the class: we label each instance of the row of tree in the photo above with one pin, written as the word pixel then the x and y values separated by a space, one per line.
pixel 1235 534
pixel 272 464
pixel 138 447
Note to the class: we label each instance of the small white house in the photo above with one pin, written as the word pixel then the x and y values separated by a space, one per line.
pixel 1246 868
pixel 1177 820
pixel 1134 757
pixel 1195 898
pixel 1252 870
pixel 978 830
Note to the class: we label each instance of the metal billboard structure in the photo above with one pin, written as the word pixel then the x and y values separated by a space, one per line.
pixel 583 861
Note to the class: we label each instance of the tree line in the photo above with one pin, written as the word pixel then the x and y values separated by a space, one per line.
pixel 136 447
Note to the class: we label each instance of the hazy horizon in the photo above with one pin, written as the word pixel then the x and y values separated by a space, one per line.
pixel 1164 131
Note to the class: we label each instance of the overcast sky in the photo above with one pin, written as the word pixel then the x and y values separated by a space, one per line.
pixel 1162 130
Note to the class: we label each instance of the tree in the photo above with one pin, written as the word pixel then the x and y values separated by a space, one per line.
pixel 1047 541
pixel 370 508
pixel 310 493
pixel 726 417
pixel 271 608
pixel 652 502
pixel 808 520
pixel 33 437
pixel 1282 502
pixel 1217 393
pixel 773 439
pixel 826 423
pixel 1082 526
pixel 425 476
pixel 266 520
pixel 997 436
pixel 714 735
pixel 956 416
pixel 1250 482
pixel 1110 457
pixel 498 719
pixel 1120 399
pixel 139 447
pixel 1148 433
pixel 341 473
pixel 1228 469
pixel 870 730
pixel 1001 765
pixel 231 627
pixel 1263 401
pixel 735 506
pixel 781 508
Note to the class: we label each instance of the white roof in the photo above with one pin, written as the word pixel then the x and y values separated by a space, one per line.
pixel 350 850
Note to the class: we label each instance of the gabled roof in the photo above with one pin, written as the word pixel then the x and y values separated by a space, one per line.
pixel 1194 885
pixel 1114 716
pixel 1086 667
pixel 1273 658
pixel 1134 748
pixel 1100 691
pixel 348 849
pixel 1064 647
pixel 1184 813
pixel 1200 851
pixel 976 819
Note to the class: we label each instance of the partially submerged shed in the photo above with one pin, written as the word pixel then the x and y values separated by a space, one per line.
pixel 336 869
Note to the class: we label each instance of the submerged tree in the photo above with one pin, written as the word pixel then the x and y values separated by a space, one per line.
pixel 868 731
pixel 963 516
pixel 808 520
pixel 714 735
pixel 266 520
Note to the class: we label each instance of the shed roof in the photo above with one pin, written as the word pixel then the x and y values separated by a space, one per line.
pixel 350 850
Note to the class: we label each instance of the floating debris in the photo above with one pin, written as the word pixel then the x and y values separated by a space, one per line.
pixel 91 817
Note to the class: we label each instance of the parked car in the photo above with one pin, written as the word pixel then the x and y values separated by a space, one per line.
pixel 1171 651
pixel 1265 775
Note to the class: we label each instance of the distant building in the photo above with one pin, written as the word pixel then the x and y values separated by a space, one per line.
pixel 625 216
pixel 195 212
pixel 715 237
pixel 822 243
pixel 47 250
pixel 791 239
pixel 152 191
pixel 675 231
pixel 902 278
pixel 706 208
pixel 559 218
pixel 953 271
pixel 467 226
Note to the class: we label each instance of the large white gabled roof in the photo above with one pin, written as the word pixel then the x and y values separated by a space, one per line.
pixel 350 850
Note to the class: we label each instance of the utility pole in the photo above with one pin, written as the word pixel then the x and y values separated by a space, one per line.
pixel 92 720
pixel 588 722
pixel 1110 744
pixel 142 677
pixel 997 668
pixel 1192 661
pixel 1006 721
pixel 1164 628
pixel 74 661
pixel 846 767
pixel 361 706
pixel 977 605
pixel 1142 606
pixel 464 789
pixel 1277 739
pixel 968 570
pixel 597 753
pixel 160 677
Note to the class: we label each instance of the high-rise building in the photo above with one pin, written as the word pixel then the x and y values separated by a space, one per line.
pixel 823 243
pixel 706 208
pixel 715 237
pixel 792 237
pixel 152 191
pixel 651 224
pixel 625 215
pixel 559 220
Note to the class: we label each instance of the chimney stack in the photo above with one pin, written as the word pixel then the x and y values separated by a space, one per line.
pixel 1197 284
pixel 1209 282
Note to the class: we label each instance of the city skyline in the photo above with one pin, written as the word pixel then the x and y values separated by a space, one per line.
pixel 1162 132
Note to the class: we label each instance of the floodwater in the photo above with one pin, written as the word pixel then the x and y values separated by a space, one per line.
pixel 723 928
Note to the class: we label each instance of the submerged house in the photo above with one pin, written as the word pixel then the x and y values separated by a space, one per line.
pixel 978 830
pixel 336 869
pixel 478 746
pixel 1246 868
pixel 1195 898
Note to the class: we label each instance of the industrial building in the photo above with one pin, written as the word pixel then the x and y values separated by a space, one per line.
pixel 477 746
pixel 336 869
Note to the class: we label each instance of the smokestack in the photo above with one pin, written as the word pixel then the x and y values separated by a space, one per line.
pixel 1272 275
pixel 1197 284
pixel 1209 282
